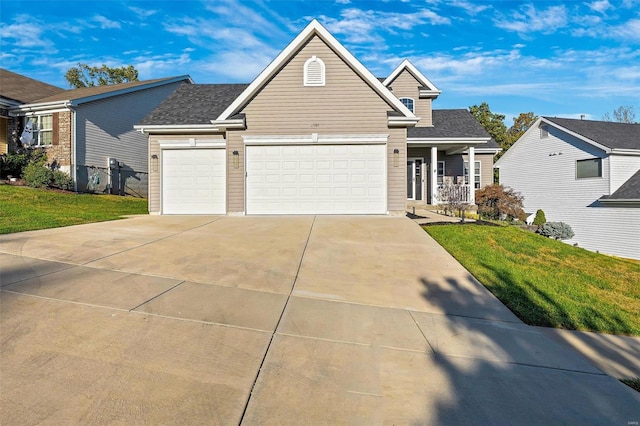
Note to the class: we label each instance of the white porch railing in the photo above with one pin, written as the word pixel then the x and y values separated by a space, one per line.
pixel 449 193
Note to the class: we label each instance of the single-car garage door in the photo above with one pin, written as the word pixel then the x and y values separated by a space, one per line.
pixel 193 181
pixel 316 179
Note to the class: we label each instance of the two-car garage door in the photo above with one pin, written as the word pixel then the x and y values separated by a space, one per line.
pixel 316 179
pixel 280 179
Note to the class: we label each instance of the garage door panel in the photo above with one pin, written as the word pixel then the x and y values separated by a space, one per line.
pixel 316 179
pixel 194 181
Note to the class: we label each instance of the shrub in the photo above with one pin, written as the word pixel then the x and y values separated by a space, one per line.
pixel 557 230
pixel 62 180
pixel 14 163
pixel 37 175
pixel 540 218
pixel 497 201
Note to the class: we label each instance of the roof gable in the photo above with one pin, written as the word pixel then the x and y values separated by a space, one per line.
pixel 315 29
pixel 21 89
pixel 427 88
pixel 607 134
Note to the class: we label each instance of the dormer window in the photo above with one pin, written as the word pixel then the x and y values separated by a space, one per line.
pixel 314 72
pixel 408 102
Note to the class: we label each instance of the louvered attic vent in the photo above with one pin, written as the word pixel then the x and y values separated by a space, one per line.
pixel 314 72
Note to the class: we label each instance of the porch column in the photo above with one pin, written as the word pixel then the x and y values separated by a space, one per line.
pixel 433 170
pixel 472 175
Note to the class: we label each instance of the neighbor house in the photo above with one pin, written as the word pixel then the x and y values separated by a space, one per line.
pixel 88 132
pixel 584 173
pixel 17 89
pixel 314 133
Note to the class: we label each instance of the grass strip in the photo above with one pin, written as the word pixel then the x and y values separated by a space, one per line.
pixel 546 282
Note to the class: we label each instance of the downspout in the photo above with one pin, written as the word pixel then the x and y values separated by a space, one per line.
pixel 74 162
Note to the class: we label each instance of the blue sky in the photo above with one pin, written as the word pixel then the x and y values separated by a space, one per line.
pixel 556 58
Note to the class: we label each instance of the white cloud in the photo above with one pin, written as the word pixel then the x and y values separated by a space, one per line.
pixel 600 6
pixel 142 13
pixel 364 26
pixel 106 23
pixel 343 1
pixel 529 20
pixel 470 8
pixel 24 32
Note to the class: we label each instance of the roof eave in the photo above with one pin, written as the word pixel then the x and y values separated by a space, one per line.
pixel 236 123
pixel 394 121
pixel 151 129
pixel 606 149
pixel 39 107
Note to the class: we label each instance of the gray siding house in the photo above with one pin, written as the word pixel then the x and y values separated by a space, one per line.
pixel 88 132
pixel 584 173
pixel 314 133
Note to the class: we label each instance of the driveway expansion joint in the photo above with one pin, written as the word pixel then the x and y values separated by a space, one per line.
pixel 273 334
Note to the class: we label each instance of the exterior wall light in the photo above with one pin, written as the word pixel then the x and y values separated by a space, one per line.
pixel 154 163
pixel 396 157
pixel 236 159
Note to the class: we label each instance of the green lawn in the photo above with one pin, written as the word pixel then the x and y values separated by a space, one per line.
pixel 26 209
pixel 547 282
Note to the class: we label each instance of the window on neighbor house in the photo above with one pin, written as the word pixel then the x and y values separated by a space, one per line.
pixel 476 174
pixel 408 102
pixel 314 72
pixel 589 168
pixel 440 172
pixel 544 131
pixel 42 130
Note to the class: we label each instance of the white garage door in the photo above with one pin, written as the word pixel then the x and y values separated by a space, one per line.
pixel 316 179
pixel 193 181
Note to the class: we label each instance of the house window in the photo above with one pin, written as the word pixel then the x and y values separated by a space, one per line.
pixel 42 129
pixel 589 168
pixel 476 173
pixel 544 131
pixel 408 102
pixel 314 72
pixel 440 172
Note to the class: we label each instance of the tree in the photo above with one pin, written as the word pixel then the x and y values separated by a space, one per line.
pixel 497 201
pixel 622 114
pixel 492 123
pixel 521 124
pixel 86 76
pixel 540 218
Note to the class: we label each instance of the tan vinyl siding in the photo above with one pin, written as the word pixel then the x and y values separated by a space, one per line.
pixel 154 176
pixel 405 85
pixel 235 177
pixel 345 105
pixel 486 167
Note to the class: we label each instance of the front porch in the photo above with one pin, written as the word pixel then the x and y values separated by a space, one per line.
pixel 434 177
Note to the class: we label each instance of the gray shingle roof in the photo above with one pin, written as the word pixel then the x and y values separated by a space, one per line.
pixel 23 89
pixel 610 134
pixel 194 104
pixel 451 123
pixel 630 190
pixel 84 92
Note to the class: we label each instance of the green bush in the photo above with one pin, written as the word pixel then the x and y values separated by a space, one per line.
pixel 62 180
pixel 540 218
pixel 556 230
pixel 13 164
pixel 37 175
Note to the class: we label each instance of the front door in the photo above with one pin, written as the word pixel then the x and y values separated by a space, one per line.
pixel 414 179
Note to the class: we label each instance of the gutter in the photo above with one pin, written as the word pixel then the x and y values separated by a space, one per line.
pixel 177 129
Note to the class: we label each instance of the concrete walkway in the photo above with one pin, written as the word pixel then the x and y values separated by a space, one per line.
pixel 273 320
pixel 618 356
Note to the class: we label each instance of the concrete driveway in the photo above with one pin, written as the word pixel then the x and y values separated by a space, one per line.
pixel 273 320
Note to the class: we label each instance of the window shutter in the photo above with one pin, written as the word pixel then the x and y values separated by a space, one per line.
pixel 56 127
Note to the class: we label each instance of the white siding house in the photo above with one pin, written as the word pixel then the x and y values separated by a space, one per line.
pixel 582 173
